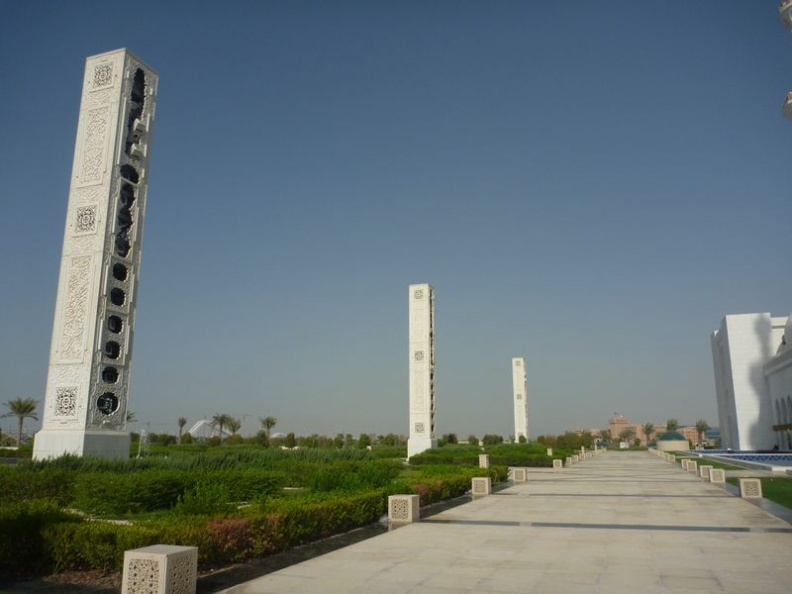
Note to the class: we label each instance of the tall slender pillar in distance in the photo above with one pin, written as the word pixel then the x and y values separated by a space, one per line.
pixel 422 363
pixel 85 403
pixel 520 393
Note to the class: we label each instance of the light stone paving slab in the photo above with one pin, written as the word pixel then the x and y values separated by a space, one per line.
pixel 624 522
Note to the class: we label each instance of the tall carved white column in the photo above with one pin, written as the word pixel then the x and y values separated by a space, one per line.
pixel 520 398
pixel 85 403
pixel 422 360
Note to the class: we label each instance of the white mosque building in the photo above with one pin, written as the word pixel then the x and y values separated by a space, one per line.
pixel 752 361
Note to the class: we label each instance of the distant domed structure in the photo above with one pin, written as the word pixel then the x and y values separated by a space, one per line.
pixel 672 441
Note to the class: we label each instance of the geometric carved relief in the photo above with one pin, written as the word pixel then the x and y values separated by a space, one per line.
pixel 102 76
pixel 93 157
pixel 419 355
pixel 400 509
pixel 75 309
pixel 85 219
pixel 160 569
pixel 404 508
pixel 481 486
pixel 65 402
pixel 182 576
pixel 144 577
pixel 419 428
pixel 750 488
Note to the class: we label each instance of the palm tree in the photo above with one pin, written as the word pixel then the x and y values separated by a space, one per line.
pixel 234 425
pixel 182 422
pixel 220 420
pixel 701 428
pixel 672 424
pixel 648 429
pixel 22 408
pixel 267 423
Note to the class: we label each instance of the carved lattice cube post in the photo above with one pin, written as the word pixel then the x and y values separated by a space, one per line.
pixel 483 461
pixel 717 475
pixel 482 485
pixel 750 488
pixel 403 508
pixel 160 569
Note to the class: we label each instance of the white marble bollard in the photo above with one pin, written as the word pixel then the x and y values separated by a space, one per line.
pixel 520 475
pixel 404 508
pixel 483 461
pixel 717 475
pixel 558 464
pixel 692 466
pixel 569 460
pixel 575 458
pixel 160 569
pixel 482 485
pixel 750 488
pixel 704 471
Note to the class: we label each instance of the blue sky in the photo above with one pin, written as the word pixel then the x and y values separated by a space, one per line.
pixel 591 187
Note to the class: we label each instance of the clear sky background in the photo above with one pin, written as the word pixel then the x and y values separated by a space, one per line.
pixel 592 186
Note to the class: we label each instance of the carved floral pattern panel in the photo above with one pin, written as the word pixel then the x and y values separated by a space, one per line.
pixel 65 402
pixel 75 309
pixel 93 157
pixel 400 509
pixel 102 76
pixel 143 576
pixel 85 219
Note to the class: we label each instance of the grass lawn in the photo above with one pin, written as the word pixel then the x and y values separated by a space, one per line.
pixel 717 464
pixel 777 490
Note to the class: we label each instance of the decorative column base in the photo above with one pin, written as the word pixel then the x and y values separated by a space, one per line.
pixel 416 445
pixel 53 443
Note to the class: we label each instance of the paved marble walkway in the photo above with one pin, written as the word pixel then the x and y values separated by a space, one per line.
pixel 623 522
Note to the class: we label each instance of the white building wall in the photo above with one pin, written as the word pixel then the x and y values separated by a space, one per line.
pixel 85 402
pixel 778 372
pixel 421 368
pixel 520 398
pixel 740 349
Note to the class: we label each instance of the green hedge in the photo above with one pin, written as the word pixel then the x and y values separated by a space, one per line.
pixel 115 494
pixel 24 545
pixel 460 455
pixel 513 454
pixel 262 530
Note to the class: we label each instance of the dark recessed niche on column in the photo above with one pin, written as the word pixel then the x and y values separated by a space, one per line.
pixel 109 375
pixel 129 173
pixel 117 296
pixel 107 403
pixel 115 324
pixel 112 349
pixel 120 271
